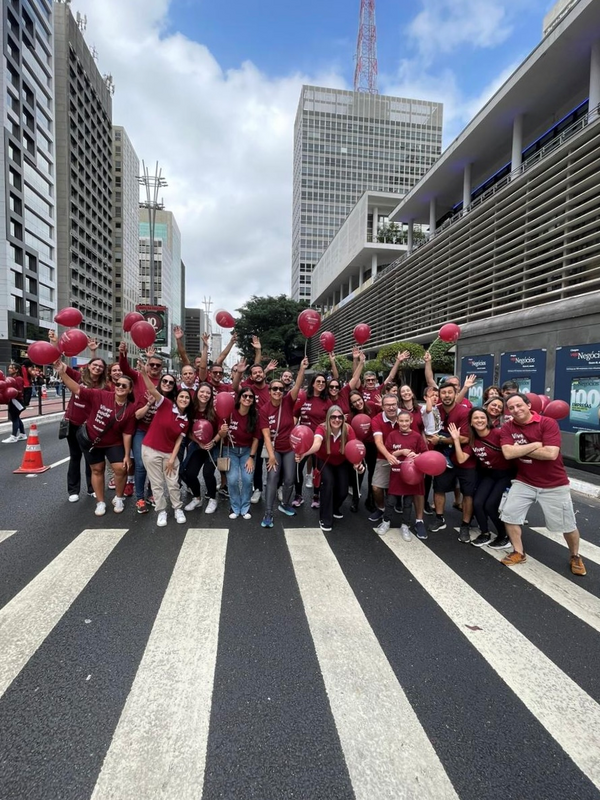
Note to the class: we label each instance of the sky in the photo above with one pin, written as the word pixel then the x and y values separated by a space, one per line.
pixel 210 89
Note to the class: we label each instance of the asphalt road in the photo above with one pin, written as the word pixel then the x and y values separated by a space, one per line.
pixel 217 659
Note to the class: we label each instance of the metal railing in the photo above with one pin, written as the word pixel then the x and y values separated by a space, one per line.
pixel 53 403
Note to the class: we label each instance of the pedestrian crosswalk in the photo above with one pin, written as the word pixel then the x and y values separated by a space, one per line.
pixel 381 628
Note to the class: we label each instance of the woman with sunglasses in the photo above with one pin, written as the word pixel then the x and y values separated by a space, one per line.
pixel 199 455
pixel 310 411
pixel 109 426
pixel 276 424
pixel 172 418
pixel 329 449
pixel 338 394
pixel 371 409
pixel 241 436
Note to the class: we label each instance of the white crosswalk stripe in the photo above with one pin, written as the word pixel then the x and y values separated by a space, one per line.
pixel 569 714
pixel 30 616
pixel 6 535
pixel 387 751
pixel 159 747
pixel 587 550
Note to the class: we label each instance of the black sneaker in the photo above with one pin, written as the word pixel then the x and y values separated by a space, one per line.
pixel 501 543
pixel 223 491
pixel 439 524
pixel 428 509
pixel 482 539
pixel 464 536
pixel 376 516
pixel 420 529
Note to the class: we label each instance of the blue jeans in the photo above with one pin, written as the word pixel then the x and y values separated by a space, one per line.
pixel 140 470
pixel 239 480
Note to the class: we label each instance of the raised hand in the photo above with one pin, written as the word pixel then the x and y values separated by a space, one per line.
pixel 52 337
pixel 178 332
pixel 403 356
pixel 271 365
pixel 426 356
pixel 256 343
pixel 123 349
pixel 93 345
pixel 150 351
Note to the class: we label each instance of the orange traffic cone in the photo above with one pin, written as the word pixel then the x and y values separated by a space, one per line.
pixel 32 458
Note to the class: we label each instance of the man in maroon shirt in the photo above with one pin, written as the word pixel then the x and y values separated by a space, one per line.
pixel 534 442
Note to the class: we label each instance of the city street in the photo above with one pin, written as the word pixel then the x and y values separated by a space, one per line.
pixel 221 660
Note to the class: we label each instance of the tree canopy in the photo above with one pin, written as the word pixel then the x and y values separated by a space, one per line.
pixel 274 321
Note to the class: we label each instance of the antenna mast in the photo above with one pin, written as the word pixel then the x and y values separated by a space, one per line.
pixel 365 74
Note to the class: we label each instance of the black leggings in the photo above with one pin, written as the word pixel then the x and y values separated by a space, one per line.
pixel 492 485
pixel 74 470
pixel 334 489
pixel 198 459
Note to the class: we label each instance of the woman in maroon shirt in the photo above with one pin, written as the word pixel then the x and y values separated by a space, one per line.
pixel 109 426
pixel 329 449
pixel 16 406
pixel 240 433
pixel 199 455
pixel 358 405
pixel 311 411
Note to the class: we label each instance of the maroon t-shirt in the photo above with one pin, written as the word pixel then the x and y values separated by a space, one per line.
pixel 416 422
pixel 335 457
pixel 488 452
pixel 382 428
pixel 166 427
pixel 77 411
pixel 312 411
pixel 541 474
pixel 139 392
pixel 280 425
pixel 101 408
pixel 396 440
pixel 459 415
pixel 343 400
pixel 239 436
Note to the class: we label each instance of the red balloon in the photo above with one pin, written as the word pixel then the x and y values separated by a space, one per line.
pixel 309 322
pixel 301 439
pixel 431 463
pixel 11 393
pixel 10 381
pixel 72 342
pixel 1 375
pixel 409 471
pixel 449 332
pixel 544 400
pixel 557 409
pixel 361 333
pixel 327 340
pixel 224 404
pixel 69 317
pixel 43 353
pixel 224 318
pixel 355 451
pixel 361 423
pixel 203 430
pixel 535 401
pixel 3 387
pixel 143 334
pixel 130 319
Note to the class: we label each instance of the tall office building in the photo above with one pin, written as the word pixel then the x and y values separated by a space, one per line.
pixel 83 181
pixel 344 144
pixel 167 267
pixel 195 326
pixel 125 229
pixel 27 210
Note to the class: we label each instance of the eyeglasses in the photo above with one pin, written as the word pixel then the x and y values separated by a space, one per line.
pixel 168 382
pixel 121 386
pixel 155 366
pixel 370 380
pixel 320 380
pixel 336 416
pixel 247 397
pixel 334 386
pixel 277 388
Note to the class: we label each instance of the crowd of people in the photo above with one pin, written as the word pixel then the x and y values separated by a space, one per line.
pixel 158 431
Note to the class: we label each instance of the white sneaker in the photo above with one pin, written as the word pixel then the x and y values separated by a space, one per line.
pixel 119 504
pixel 255 496
pixel 382 528
pixel 73 498
pixel 211 506
pixel 161 520
pixel 180 516
pixel 405 533
pixel 233 515
pixel 280 494
pixel 10 440
pixel 247 515
pixel 309 481
pixel 22 437
pixel 100 509
pixel 195 502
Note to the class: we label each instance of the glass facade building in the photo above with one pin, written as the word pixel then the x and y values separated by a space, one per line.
pixel 344 144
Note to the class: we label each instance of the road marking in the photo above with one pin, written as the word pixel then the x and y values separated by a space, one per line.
pixel 158 751
pixel 568 713
pixel 568 594
pixel 387 752
pixel 27 619
pixel 587 550
pixel 5 535
pixel 58 463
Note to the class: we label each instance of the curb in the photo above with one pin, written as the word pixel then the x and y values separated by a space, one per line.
pixel 583 487
pixel 6 427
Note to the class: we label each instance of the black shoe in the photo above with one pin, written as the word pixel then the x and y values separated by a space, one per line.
pixel 338 515
pixel 428 509
pixel 464 536
pixel 223 491
pixel 376 516
pixel 481 540
pixel 420 529
pixel 501 543
pixel 438 525
pixel 354 506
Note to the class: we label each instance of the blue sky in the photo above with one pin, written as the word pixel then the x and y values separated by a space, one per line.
pixel 210 90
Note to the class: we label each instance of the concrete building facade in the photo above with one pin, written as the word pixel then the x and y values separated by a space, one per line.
pixel 28 278
pixel 84 181
pixel 346 143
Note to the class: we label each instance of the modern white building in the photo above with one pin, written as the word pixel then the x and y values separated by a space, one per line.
pixel 346 143
pixel 28 279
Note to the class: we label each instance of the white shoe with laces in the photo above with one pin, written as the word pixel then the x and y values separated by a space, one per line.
pixel 22 437
pixel 255 496
pixel 100 509
pixel 73 498
pixel 405 533
pixel 161 520
pixel 180 516
pixel 382 528
pixel 309 481
pixel 195 502
pixel 211 506
pixel 119 504
pixel 10 440
pixel 247 515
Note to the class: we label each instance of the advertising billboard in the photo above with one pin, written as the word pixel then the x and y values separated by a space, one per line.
pixel 577 380
pixel 526 367
pixel 157 316
pixel 483 369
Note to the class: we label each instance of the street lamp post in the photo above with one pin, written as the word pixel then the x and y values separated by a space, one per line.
pixel 153 184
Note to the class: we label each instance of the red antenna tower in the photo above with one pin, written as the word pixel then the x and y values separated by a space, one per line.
pixel 365 74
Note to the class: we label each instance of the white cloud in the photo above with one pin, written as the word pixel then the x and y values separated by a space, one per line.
pixel 224 141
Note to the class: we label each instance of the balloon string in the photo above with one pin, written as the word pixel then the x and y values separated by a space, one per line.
pixel 305 346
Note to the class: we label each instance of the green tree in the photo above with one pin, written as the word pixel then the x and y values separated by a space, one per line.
pixel 274 321
pixel 441 360
pixel 344 365
pixel 387 354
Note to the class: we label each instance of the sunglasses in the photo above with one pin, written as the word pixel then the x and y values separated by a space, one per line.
pixel 277 388
pixel 334 386
pixel 155 366
pixel 168 382
pixel 121 386
pixel 336 416
pixel 216 374
pixel 248 397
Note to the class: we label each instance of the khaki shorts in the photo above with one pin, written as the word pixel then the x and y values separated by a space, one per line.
pixel 381 474
pixel 556 504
